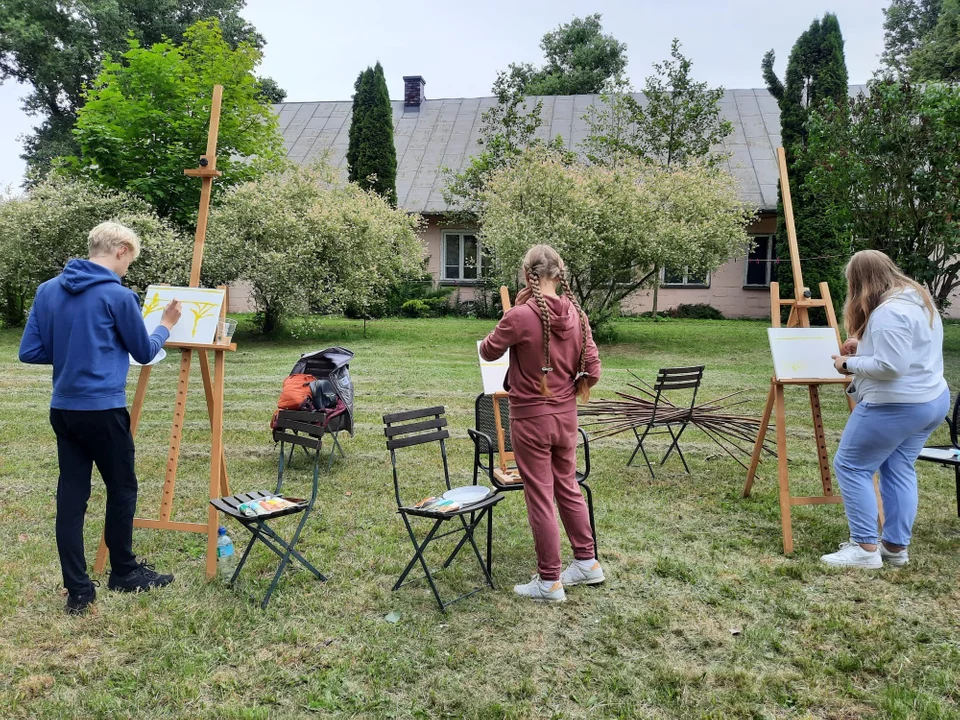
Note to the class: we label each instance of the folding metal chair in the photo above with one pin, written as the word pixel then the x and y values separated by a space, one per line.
pixel 258 527
pixel 419 427
pixel 298 421
pixel 492 437
pixel 948 455
pixel 667 415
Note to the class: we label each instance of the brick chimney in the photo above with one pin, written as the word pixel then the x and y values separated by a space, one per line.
pixel 413 93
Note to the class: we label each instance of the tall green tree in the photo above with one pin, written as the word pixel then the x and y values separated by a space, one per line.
pixel 816 72
pixel 680 124
pixel 937 58
pixel 147 113
pixel 56 47
pixel 907 23
pixel 371 154
pixel 579 59
pixel 889 176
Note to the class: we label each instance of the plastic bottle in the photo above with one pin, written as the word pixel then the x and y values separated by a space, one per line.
pixel 226 559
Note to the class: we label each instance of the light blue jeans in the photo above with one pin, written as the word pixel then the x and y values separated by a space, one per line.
pixel 888 438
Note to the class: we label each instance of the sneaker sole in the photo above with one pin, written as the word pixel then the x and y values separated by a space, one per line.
pixel 896 562
pixel 122 589
pixel 594 581
pixel 863 566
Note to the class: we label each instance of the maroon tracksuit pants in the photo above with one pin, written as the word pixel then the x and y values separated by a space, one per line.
pixel 545 449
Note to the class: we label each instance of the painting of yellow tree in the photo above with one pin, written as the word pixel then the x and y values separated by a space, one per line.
pixel 201 311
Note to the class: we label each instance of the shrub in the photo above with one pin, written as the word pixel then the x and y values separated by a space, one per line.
pixel 416 309
pixel 696 311
pixel 42 230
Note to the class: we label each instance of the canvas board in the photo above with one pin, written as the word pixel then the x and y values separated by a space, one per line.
pixel 201 311
pixel 804 353
pixel 493 372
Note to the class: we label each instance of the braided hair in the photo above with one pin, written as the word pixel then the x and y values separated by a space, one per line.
pixel 543 262
pixel 582 383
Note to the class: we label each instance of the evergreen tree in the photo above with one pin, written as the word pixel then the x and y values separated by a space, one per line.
pixel 816 71
pixel 371 154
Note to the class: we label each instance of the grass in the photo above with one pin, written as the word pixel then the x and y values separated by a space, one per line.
pixel 701 617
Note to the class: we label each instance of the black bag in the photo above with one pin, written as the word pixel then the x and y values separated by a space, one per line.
pixel 324 394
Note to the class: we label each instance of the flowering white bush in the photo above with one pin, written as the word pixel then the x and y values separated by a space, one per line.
pixel 613 227
pixel 43 229
pixel 306 241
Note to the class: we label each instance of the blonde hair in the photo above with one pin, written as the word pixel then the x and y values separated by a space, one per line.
pixel 108 237
pixel 543 262
pixel 872 278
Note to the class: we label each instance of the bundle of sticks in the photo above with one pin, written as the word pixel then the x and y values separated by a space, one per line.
pixel 734 434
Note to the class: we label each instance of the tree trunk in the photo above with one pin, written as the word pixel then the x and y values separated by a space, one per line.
pixel 656 289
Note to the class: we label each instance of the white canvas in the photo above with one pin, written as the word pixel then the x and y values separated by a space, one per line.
pixel 201 312
pixel 493 373
pixel 804 353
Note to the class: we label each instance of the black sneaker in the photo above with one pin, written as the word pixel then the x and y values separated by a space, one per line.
pixel 140 580
pixel 80 604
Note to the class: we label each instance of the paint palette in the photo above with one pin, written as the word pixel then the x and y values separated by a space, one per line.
pixel 156 358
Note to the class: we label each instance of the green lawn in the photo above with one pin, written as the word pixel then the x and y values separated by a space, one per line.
pixel 687 561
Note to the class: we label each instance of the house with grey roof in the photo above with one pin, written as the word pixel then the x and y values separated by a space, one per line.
pixel 431 135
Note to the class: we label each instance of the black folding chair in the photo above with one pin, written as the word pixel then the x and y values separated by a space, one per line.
pixel 258 527
pixel 948 455
pixel 486 445
pixel 666 415
pixel 299 421
pixel 418 427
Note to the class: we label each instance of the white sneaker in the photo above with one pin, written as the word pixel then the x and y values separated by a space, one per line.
pixel 541 590
pixel 897 559
pixel 851 554
pixel 575 574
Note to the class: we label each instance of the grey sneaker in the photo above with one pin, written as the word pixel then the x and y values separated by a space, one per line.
pixel 575 575
pixel 897 559
pixel 541 590
pixel 851 554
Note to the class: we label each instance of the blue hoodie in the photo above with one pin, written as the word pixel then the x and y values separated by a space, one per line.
pixel 84 323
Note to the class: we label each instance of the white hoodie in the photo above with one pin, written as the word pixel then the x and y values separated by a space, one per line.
pixel 900 356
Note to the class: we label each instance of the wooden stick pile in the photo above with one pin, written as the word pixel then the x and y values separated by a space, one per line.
pixel 636 411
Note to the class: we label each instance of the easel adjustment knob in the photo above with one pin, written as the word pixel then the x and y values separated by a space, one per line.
pixel 203 161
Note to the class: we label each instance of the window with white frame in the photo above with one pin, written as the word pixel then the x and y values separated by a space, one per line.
pixel 682 277
pixel 759 262
pixel 463 258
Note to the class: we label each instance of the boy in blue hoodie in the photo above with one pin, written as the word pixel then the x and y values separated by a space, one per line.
pixel 87 325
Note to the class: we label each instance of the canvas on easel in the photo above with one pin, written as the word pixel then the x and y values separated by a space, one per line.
pixel 799 317
pixel 201 311
pixel 196 316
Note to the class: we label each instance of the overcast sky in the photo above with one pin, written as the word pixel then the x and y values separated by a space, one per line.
pixel 316 49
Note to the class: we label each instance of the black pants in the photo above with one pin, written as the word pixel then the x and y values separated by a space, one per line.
pixel 85 437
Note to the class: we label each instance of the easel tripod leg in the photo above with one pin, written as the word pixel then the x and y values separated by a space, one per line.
pixel 758 446
pixel 785 505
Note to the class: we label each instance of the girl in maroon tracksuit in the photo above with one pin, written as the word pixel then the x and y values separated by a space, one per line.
pixel 553 361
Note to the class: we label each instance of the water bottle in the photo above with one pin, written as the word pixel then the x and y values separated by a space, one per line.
pixel 226 560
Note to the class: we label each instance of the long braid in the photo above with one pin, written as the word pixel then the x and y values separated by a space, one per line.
pixel 545 323
pixel 582 383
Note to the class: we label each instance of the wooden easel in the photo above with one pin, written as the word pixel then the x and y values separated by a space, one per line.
pixel 212 384
pixel 507 473
pixel 799 317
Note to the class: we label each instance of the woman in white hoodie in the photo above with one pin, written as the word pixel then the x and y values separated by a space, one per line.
pixel 894 351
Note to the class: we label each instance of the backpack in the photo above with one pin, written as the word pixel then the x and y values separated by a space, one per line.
pixel 296 393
